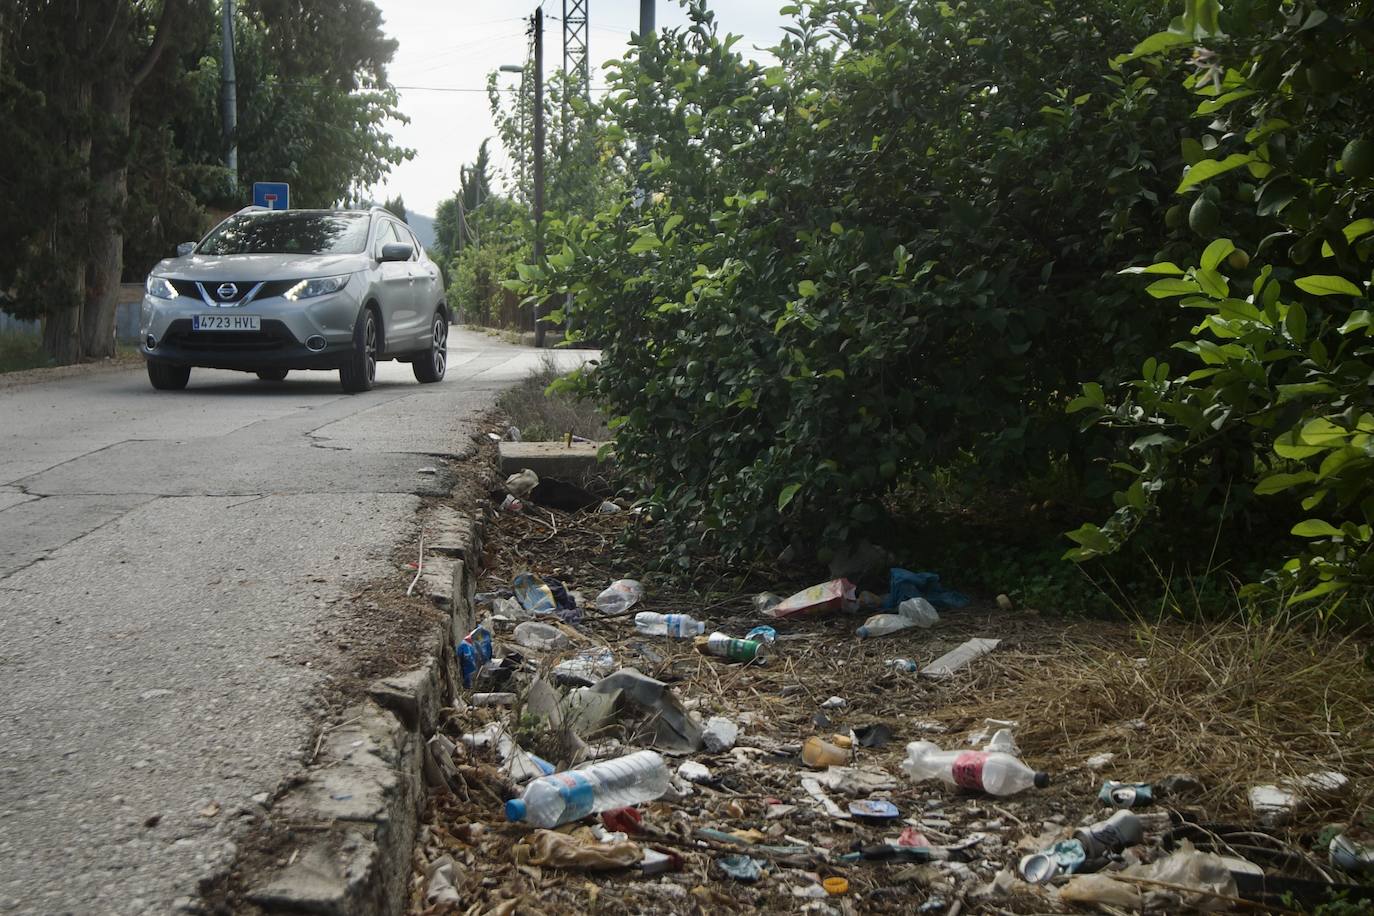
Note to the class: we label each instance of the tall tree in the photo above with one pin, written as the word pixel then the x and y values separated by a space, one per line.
pixel 77 67
pixel 397 206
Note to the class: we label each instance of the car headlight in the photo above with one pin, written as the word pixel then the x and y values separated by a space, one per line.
pixel 159 288
pixel 319 286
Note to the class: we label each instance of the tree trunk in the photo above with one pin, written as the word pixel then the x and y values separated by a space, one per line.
pixel 109 189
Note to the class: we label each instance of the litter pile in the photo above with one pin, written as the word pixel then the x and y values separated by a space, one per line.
pixel 615 746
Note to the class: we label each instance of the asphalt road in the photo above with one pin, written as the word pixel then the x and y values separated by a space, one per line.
pixel 164 558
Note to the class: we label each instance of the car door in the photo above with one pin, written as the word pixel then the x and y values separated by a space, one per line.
pixel 429 284
pixel 395 291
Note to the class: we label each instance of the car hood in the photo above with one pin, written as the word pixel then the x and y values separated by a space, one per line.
pixel 239 267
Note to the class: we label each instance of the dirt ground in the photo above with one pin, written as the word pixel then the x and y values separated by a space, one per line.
pixel 1229 706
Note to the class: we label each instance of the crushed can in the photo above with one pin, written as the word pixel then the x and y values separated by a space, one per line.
pixel 1114 834
pixel 1126 794
pixel 723 646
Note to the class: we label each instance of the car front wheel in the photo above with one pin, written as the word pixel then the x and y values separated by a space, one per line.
pixel 430 365
pixel 166 377
pixel 360 371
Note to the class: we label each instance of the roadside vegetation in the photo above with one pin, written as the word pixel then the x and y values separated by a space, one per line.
pixel 1102 268
pixel 103 170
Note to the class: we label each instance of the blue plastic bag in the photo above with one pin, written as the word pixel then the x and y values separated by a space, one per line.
pixel 473 652
pixel 906 584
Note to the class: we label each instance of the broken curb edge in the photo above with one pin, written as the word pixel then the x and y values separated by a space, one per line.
pixel 359 805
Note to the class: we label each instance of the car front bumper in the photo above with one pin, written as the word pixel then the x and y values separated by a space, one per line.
pixel 281 344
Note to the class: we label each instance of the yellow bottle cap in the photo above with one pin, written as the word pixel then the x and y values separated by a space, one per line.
pixel 835 886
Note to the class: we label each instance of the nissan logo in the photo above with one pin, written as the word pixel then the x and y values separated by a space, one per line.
pixel 227 291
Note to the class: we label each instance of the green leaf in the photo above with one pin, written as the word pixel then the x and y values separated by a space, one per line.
pixel 806 289
pixel 646 242
pixel 1169 268
pixel 1315 528
pixel 1357 229
pixel 1157 43
pixel 1359 320
pixel 1211 168
pixel 1216 252
pixel 1295 323
pixel 786 495
pixel 1092 538
pixel 1277 483
pixel 1163 289
pixel 1212 283
pixel 1327 285
pixel 671 223
pixel 1316 591
pixel 1212 105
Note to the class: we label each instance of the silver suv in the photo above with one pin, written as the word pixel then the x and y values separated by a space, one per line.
pixel 268 291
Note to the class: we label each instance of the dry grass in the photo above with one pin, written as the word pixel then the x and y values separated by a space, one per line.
pixel 1234 704
pixel 544 416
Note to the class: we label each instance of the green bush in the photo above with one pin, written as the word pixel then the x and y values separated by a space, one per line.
pixel 1267 417
pixel 896 245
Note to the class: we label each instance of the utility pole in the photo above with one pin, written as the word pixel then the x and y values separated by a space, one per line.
pixel 229 104
pixel 538 161
pixel 646 28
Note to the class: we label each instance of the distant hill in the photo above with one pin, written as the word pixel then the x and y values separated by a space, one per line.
pixel 422 226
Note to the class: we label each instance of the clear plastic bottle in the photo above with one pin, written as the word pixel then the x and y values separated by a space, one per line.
pixel 562 797
pixel 619 596
pixel 990 772
pixel 883 625
pixel 675 625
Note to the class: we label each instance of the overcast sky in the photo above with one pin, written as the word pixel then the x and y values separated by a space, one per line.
pixel 454 44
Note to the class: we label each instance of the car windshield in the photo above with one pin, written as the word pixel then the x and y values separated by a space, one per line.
pixel 288 232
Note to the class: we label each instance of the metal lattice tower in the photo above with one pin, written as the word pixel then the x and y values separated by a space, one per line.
pixel 576 67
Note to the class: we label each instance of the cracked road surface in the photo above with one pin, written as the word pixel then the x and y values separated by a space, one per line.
pixel 161 558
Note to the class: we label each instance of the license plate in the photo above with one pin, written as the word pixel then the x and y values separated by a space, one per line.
pixel 226 323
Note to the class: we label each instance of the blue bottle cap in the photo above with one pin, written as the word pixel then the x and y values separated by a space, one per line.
pixel 515 809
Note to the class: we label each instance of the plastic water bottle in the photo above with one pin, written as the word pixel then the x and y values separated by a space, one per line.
pixel 913 612
pixel 562 797
pixel 883 625
pixel 990 772
pixel 675 625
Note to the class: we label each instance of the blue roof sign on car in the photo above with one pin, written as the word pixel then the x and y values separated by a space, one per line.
pixel 273 195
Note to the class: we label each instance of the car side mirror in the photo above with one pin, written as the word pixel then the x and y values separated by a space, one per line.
pixel 396 251
pixel 185 248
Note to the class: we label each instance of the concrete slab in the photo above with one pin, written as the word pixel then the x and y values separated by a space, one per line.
pixel 550 459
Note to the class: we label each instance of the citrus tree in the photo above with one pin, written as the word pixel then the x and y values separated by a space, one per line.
pixel 895 245
pixel 1262 424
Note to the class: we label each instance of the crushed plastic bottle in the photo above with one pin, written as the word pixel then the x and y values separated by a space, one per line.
pixel 766 601
pixel 619 596
pixel 678 626
pixel 914 612
pixel 902 664
pixel 535 635
pixel 573 794
pixel 990 772
pixel 919 611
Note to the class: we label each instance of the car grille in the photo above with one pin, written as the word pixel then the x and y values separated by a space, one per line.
pixel 242 288
pixel 273 336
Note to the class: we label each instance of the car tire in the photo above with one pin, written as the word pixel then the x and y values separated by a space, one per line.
pixel 358 374
pixel 430 365
pixel 272 375
pixel 167 377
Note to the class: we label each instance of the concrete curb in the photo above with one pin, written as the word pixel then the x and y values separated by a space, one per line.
pixel 359 806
